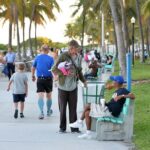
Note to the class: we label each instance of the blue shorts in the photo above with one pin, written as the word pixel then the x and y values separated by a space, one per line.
pixel 19 98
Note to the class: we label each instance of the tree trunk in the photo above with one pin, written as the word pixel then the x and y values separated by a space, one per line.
pixel 114 4
pixel 141 28
pixel 10 26
pixel 115 36
pixel 30 26
pixel 10 34
pixel 18 35
pixel 83 29
pixel 23 29
pixel 35 36
pixel 125 26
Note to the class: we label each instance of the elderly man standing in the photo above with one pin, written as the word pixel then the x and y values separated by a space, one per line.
pixel 10 60
pixel 42 65
pixel 67 88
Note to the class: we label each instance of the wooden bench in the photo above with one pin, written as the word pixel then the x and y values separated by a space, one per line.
pixel 121 128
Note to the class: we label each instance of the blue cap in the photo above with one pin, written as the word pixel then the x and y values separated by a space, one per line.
pixel 118 79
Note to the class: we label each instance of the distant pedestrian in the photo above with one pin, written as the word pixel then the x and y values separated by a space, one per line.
pixel 10 61
pixel 68 84
pixel 42 65
pixel 20 89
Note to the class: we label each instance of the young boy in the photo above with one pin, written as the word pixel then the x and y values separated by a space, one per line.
pixel 114 106
pixel 20 89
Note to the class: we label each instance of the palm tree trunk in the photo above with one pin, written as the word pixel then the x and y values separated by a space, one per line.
pixel 114 4
pixel 30 26
pixel 35 36
pixel 141 28
pixel 18 36
pixel 23 29
pixel 83 30
pixel 10 34
pixel 125 26
pixel 115 36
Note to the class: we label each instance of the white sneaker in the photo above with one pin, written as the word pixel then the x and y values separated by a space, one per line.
pixel 85 136
pixel 77 124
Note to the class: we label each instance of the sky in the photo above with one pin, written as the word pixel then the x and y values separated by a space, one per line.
pixel 53 30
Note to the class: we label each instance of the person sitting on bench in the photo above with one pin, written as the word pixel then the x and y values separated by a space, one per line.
pixel 94 69
pixel 109 60
pixel 114 106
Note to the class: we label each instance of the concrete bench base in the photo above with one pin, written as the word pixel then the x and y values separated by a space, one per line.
pixel 108 131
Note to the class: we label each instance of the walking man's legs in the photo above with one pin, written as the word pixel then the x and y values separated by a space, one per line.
pixel 9 70
pixel 73 108
pixel 49 103
pixel 62 100
pixel 41 104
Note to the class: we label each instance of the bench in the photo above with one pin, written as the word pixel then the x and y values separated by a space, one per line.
pixel 113 129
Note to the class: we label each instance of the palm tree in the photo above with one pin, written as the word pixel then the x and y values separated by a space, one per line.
pixel 141 28
pixel 22 20
pixel 7 14
pixel 37 8
pixel 146 13
pixel 114 5
pixel 84 6
pixel 125 25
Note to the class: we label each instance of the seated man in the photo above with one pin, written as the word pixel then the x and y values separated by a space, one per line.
pixel 109 60
pixel 114 106
pixel 94 69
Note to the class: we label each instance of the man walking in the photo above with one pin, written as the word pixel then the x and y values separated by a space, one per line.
pixel 67 88
pixel 10 61
pixel 42 65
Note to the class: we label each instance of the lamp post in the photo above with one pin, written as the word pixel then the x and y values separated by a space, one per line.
pixel 133 23
pixel 107 36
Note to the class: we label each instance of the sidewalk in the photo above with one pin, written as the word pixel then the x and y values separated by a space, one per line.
pixel 30 133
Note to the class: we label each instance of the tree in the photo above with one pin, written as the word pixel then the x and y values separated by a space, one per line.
pixel 146 13
pixel 36 11
pixel 114 5
pixel 141 28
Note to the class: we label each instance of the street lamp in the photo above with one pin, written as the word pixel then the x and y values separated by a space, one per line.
pixel 133 23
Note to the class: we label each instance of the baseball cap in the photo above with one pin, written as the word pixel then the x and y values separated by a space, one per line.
pixel 118 79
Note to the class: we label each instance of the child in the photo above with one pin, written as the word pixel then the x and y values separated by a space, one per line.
pixel 113 107
pixel 20 89
pixel 65 67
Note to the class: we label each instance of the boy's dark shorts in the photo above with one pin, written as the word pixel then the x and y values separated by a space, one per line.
pixel 19 98
pixel 44 85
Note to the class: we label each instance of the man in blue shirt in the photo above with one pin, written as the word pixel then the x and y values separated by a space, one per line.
pixel 10 60
pixel 42 65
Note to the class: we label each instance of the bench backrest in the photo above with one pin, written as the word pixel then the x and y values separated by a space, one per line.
pixel 94 92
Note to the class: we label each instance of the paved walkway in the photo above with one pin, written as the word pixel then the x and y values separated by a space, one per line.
pixel 30 133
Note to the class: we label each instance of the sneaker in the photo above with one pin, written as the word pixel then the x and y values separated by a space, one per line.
pixel 16 114
pixel 62 131
pixel 75 131
pixel 77 124
pixel 41 117
pixel 49 113
pixel 21 115
pixel 85 136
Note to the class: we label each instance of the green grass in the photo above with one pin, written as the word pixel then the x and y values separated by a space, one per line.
pixel 142 105
pixel 139 71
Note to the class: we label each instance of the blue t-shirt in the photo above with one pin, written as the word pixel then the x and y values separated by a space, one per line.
pixel 43 64
pixel 116 107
